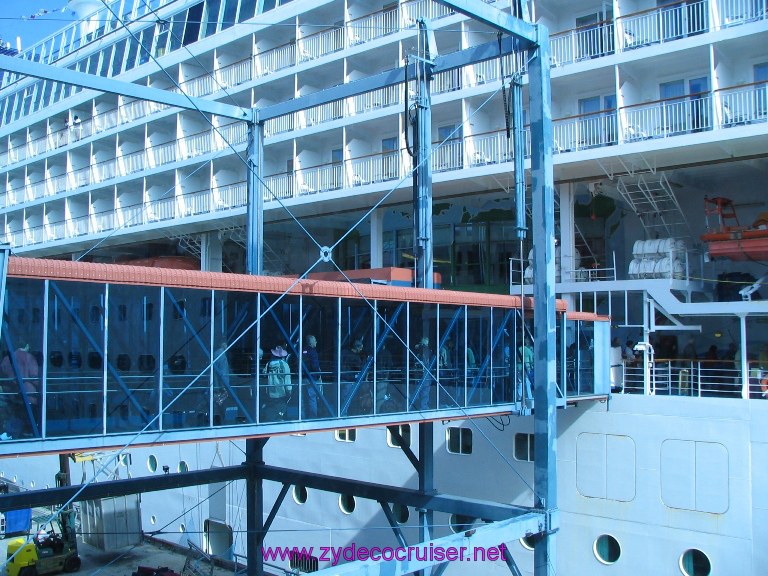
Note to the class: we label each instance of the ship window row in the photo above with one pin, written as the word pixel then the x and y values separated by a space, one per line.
pixel 595 36
pixel 173 369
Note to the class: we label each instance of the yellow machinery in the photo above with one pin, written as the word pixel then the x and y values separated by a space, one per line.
pixel 47 552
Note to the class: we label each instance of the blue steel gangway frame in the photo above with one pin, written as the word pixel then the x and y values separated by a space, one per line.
pixel 522 35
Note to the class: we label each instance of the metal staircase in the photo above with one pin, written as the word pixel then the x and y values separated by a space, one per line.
pixel 273 261
pixel 651 197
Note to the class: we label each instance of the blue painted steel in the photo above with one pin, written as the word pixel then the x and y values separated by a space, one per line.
pixel 102 84
pixel 487 359
pixel 362 376
pixel 254 253
pixel 496 19
pixel 421 122
pixel 429 371
pixel 296 354
pixel 545 369
pixel 99 350
pixel 206 351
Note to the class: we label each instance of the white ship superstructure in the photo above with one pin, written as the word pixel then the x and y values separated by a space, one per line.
pixel 660 121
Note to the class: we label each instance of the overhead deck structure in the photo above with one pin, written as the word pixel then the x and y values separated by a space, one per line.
pixel 542 519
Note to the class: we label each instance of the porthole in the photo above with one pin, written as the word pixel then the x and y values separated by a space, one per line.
pixel 528 542
pixel 347 503
pixel 694 562
pixel 401 513
pixel 300 494
pixel 183 466
pixel 152 463
pixel 460 523
pixel 607 549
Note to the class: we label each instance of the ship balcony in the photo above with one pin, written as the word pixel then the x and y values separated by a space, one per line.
pixel 655 26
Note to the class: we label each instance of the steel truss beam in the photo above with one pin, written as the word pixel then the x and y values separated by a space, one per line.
pixel 480 509
pixel 121 87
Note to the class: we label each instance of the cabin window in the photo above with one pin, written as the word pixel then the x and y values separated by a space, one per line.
pixel 346 435
pixel 607 549
pixel 460 523
pixel 524 447
pixel 300 494
pixel 347 503
pixel 694 562
pixel 401 513
pixel 458 440
pixel 399 436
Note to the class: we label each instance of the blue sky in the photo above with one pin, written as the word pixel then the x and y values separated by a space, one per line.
pixel 15 20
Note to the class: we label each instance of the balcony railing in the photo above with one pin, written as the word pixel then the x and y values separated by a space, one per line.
pixel 672 117
pixel 658 25
pixel 743 105
pixel 663 24
pixel 582 43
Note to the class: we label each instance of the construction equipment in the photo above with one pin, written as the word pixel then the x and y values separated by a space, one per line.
pixel 52 549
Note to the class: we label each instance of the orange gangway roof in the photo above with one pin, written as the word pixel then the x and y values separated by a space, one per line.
pixel 19 267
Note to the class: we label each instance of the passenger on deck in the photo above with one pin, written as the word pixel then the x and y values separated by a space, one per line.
pixel 524 370
pixel 28 370
pixel 351 367
pixel 278 387
pixel 314 388
pixel 221 381
pixel 422 374
pixel 762 363
pixel 617 366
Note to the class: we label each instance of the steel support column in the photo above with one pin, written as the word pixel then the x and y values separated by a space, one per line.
pixel 254 493
pixel 426 473
pixel 422 161
pixel 255 213
pixel 544 364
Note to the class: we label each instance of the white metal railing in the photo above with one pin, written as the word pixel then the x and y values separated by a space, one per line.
pixel 489 148
pixel 320 44
pixel 275 59
pixel 688 377
pixel 381 98
pixel 743 105
pixel 196 87
pixel 666 118
pixel 234 195
pixel 446 82
pixel 426 9
pixel 449 156
pixel 323 113
pixel 278 186
pixel 734 12
pixel 233 75
pixel 663 24
pixel 585 131
pixel 582 43
pixel 319 179
pixel 373 26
